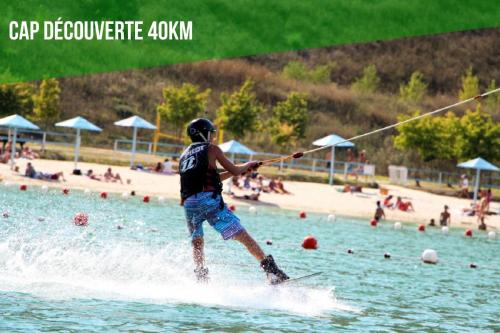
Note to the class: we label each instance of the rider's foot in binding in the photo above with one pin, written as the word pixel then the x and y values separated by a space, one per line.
pixel 202 274
pixel 274 274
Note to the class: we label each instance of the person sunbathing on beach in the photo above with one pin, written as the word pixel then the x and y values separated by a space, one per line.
pixel 273 186
pixel 158 168
pixel 387 202
pixel 235 181
pixel 201 188
pixel 404 206
pixel 110 177
pixel 251 196
pixel 28 153
pixel 167 167
pixel 445 217
pixel 32 173
pixel 247 182
pixel 92 175
pixel 281 187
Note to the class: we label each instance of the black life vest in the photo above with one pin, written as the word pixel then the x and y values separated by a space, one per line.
pixel 196 176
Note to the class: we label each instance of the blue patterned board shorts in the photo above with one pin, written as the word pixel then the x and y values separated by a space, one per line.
pixel 202 206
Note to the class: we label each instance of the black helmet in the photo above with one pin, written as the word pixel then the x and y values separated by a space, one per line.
pixel 198 129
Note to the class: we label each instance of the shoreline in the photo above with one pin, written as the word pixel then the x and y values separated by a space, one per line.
pixel 308 197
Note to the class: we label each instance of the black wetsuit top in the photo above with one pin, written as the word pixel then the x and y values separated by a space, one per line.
pixel 195 171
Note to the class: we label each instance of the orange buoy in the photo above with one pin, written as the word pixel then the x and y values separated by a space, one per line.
pixel 145 199
pixel 373 223
pixel 232 208
pixel 65 191
pixel 23 187
pixel 104 195
pixel 468 233
pixel 302 215
pixel 421 227
pixel 310 243
pixel 81 219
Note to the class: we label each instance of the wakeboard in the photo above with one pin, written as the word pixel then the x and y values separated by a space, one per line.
pixel 299 278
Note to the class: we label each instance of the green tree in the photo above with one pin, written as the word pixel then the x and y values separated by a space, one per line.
pixel 182 104
pixel 492 100
pixel 289 120
pixel 16 99
pixel 432 137
pixel 295 70
pixel 368 82
pixel 298 71
pixel 414 90
pixel 479 136
pixel 239 111
pixel 46 103
pixel 470 85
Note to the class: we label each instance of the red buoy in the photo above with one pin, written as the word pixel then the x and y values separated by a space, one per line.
pixel 65 191
pixel 373 223
pixel 468 233
pixel 302 215
pixel 310 243
pixel 104 195
pixel 145 199
pixel 23 187
pixel 421 227
pixel 81 219
pixel 232 208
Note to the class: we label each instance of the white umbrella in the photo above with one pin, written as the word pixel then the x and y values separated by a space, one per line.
pixel 234 147
pixel 478 164
pixel 135 122
pixel 14 122
pixel 78 123
pixel 334 141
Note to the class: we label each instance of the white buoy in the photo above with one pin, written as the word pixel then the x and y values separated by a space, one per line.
pixel 445 230
pixel 161 199
pixel 429 256
pixel 492 235
pixel 331 218
pixel 398 226
pixel 45 188
pixel 86 191
pixel 252 209
pixel 125 195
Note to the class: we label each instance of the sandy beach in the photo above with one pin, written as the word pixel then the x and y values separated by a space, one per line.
pixel 308 197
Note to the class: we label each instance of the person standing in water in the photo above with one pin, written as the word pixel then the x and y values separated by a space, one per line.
pixel 201 188
pixel 445 217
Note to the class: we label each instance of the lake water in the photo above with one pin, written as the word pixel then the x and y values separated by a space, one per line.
pixel 56 277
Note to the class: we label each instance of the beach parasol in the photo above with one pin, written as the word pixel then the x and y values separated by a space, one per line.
pixel 14 122
pixel 478 164
pixel 334 141
pixel 78 123
pixel 135 122
pixel 234 147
